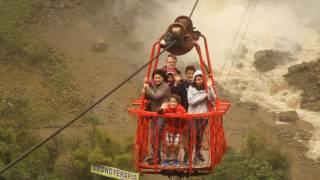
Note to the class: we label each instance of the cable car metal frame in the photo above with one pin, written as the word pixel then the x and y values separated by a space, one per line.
pixel 216 144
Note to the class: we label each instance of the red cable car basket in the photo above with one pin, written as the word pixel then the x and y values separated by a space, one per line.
pixel 212 148
pixel 202 132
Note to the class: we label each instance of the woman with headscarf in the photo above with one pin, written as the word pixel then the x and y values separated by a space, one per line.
pixel 198 100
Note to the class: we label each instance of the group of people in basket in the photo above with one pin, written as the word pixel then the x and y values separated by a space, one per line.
pixel 168 92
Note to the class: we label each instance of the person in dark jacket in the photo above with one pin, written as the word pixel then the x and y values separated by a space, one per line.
pixel 189 72
pixel 171 78
pixel 156 93
pixel 181 86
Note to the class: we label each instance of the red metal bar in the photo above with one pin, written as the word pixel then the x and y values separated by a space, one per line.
pixel 140 138
pixel 157 60
pixel 214 143
pixel 202 65
pixel 149 70
pixel 191 143
pixel 156 145
pixel 145 140
pixel 151 57
pixel 209 62
pixel 185 116
pixel 208 58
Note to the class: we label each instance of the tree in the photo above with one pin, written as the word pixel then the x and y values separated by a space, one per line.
pixel 33 167
pixel 99 149
pixel 260 160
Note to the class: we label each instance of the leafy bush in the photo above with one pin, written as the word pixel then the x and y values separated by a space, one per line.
pixel 33 167
pixel 124 161
pixel 101 149
pixel 258 161
pixel 14 108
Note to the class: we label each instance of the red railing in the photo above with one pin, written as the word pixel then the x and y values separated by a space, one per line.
pixel 210 137
pixel 213 143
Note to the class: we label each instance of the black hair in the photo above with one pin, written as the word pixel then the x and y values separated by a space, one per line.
pixel 178 98
pixel 194 83
pixel 162 73
pixel 188 68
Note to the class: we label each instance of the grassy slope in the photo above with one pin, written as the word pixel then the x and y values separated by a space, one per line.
pixel 40 74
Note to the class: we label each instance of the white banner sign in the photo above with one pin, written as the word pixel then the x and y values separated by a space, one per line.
pixel 113 172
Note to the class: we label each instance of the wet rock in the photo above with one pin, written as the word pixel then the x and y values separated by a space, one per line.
pixel 266 60
pixel 288 116
pixel 99 46
pixel 306 77
pixel 303 135
pixel 239 65
pixel 249 105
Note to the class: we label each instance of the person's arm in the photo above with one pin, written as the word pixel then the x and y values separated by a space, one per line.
pixel 164 108
pixel 177 80
pixel 161 111
pixel 161 92
pixel 143 91
pixel 194 97
pixel 181 110
pixel 211 94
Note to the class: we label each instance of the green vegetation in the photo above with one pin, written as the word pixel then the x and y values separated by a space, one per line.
pixel 70 157
pixel 20 51
pixel 45 163
pixel 259 160
pixel 12 143
pixel 14 111
pixel 16 47
pixel 16 136
pixel 65 156
pixel 99 149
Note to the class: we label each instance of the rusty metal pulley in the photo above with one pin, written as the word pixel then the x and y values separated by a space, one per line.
pixel 181 31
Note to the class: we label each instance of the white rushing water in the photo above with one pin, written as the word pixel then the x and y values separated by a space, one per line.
pixel 275 26
pixel 284 32
pixel 287 25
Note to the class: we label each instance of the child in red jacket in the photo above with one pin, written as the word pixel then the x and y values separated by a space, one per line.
pixel 173 127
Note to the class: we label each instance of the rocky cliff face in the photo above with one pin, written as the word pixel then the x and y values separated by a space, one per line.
pixel 266 60
pixel 306 76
